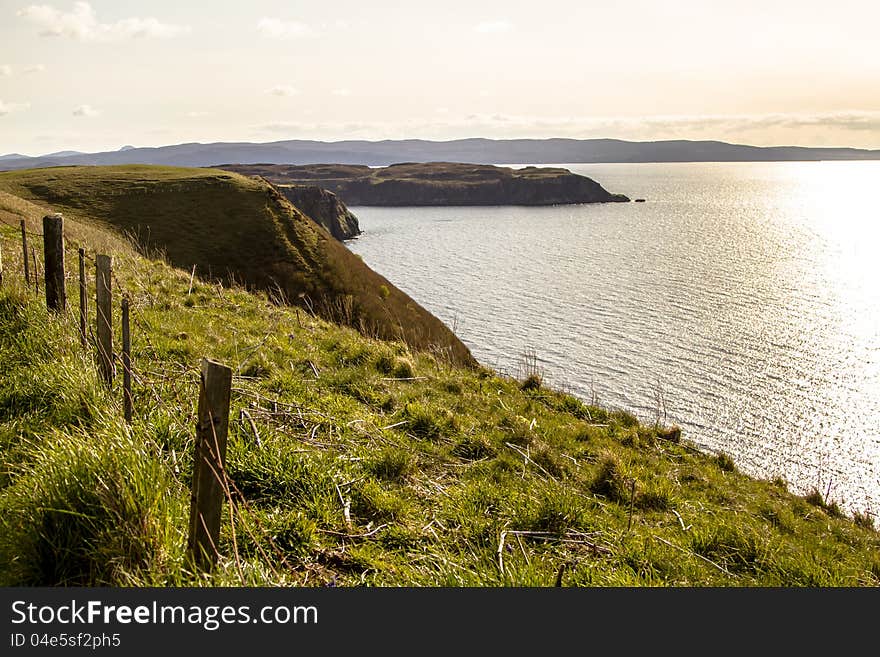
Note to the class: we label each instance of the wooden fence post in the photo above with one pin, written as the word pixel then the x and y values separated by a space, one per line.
pixel 1 264
pixel 24 250
pixel 103 299
pixel 82 297
pixel 209 475
pixel 53 259
pixel 36 271
pixel 126 361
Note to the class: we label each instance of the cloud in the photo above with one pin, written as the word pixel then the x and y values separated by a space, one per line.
pixel 276 28
pixel 197 114
pixel 843 120
pixel 734 123
pixel 9 108
pixel 82 24
pixel 341 92
pixel 36 68
pixel 85 110
pixel 282 90
pixel 493 27
pixel 338 129
pixel 757 129
pixel 5 70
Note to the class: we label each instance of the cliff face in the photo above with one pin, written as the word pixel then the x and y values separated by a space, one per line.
pixel 564 188
pixel 439 183
pixel 325 208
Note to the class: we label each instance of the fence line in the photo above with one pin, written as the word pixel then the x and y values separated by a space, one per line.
pixel 212 428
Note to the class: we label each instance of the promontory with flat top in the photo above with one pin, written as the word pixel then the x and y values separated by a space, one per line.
pixel 437 183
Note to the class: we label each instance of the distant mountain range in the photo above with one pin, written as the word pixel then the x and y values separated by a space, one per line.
pixel 477 151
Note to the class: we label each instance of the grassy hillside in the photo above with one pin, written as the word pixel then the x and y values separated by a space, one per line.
pixel 367 463
pixel 240 229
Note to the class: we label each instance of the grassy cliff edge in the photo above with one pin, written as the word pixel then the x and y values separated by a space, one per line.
pixel 237 229
pixel 368 462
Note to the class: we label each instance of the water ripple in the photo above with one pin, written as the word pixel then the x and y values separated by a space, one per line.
pixel 739 290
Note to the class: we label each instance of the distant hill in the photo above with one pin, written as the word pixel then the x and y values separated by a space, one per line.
pixel 63 154
pixel 478 151
pixel 238 229
pixel 436 183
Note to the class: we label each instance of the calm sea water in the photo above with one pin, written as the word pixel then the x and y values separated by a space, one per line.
pixel 741 301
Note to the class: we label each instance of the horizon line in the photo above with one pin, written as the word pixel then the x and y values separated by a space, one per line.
pixel 128 147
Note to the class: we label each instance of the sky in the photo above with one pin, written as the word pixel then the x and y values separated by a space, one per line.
pixel 94 76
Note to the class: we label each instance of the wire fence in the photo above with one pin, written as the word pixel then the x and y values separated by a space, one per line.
pixel 179 384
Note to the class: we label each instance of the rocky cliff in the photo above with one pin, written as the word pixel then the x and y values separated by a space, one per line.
pixel 324 208
pixel 439 183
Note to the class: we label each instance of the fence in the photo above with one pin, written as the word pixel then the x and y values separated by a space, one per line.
pixel 210 483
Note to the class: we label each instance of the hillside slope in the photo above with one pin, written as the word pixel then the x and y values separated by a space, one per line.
pixel 236 228
pixel 354 461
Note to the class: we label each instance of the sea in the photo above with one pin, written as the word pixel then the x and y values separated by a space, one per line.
pixel 740 301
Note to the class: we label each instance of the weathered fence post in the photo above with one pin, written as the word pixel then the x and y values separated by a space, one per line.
pixel 208 484
pixel 36 271
pixel 104 266
pixel 82 297
pixel 126 361
pixel 1 264
pixel 53 262
pixel 24 250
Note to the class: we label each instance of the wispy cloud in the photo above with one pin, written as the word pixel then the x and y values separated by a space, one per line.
pixel 82 23
pixel 734 123
pixel 86 110
pixel 276 28
pixel 335 129
pixel 5 70
pixel 197 114
pixel 36 68
pixel 747 128
pixel 9 108
pixel 493 27
pixel 282 90
pixel 341 92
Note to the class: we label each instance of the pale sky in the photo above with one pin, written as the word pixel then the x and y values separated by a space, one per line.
pixel 97 75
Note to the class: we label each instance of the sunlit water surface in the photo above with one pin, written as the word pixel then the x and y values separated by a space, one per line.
pixel 741 299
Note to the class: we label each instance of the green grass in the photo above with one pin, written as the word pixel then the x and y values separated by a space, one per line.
pixel 234 229
pixel 373 464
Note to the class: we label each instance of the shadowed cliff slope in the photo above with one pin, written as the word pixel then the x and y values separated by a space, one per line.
pixel 237 228
pixel 324 207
